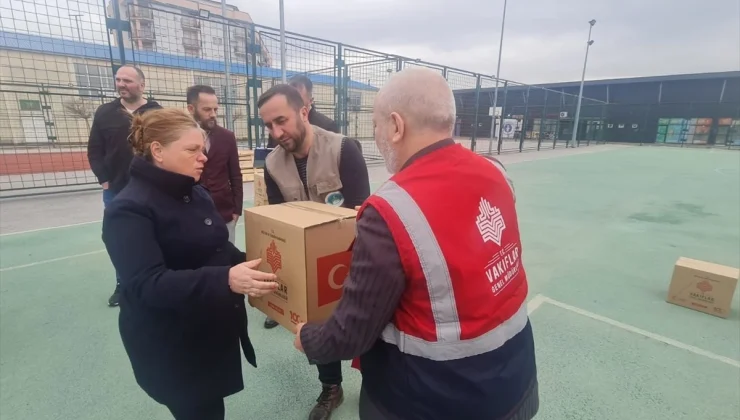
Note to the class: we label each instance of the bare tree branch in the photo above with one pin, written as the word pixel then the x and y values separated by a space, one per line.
pixel 79 108
pixel 237 114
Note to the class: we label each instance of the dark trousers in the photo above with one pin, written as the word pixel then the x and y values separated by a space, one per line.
pixel 209 411
pixel 370 411
pixel 331 373
pixel 108 196
pixel 525 410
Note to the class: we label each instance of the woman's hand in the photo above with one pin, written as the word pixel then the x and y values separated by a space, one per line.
pixel 245 280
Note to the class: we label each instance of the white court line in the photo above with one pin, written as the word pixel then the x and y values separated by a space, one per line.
pixel 33 264
pixel 724 171
pixel 50 228
pixel 535 303
pixel 565 154
pixel 68 257
pixel 630 328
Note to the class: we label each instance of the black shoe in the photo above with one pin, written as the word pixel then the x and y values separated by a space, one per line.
pixel 270 323
pixel 332 396
pixel 113 299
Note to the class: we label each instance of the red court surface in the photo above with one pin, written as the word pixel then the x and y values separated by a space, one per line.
pixel 35 163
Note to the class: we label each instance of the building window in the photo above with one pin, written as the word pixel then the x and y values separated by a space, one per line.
pixel 29 105
pixel 97 79
pixel 218 84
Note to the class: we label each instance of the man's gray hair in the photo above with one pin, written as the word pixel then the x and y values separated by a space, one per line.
pixel 420 95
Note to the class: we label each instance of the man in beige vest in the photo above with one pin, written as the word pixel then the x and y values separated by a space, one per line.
pixel 311 164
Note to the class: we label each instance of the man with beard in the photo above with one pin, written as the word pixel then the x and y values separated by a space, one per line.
pixel 108 149
pixel 304 86
pixel 221 175
pixel 314 164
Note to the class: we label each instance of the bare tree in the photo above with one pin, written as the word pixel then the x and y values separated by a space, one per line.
pixel 236 115
pixel 79 108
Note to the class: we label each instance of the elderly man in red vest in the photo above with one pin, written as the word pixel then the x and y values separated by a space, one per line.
pixel 435 302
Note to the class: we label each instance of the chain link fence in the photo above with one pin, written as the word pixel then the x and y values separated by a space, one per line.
pixel 57 60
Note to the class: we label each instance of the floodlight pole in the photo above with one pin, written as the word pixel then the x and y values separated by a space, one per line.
pixel 283 49
pixel 227 67
pixel 495 89
pixel 590 42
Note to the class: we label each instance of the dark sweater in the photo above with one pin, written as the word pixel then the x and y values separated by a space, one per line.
pixel 108 149
pixel 222 175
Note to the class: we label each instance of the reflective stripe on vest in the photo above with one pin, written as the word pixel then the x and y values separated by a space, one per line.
pixel 448 346
pixel 500 166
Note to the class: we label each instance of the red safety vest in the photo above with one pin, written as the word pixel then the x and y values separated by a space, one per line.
pixel 452 216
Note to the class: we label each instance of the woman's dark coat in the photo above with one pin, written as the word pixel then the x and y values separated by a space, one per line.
pixel 180 322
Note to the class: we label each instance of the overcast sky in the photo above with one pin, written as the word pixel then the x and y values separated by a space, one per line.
pixel 544 40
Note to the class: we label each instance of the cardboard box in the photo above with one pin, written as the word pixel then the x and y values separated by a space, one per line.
pixel 260 189
pixel 307 245
pixel 703 286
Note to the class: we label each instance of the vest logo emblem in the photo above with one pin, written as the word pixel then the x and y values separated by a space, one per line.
pixel 490 222
pixel 334 199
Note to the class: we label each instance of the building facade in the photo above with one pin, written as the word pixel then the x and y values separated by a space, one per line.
pixel 189 28
pixel 702 109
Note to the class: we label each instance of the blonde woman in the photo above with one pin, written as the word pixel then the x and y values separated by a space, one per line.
pixel 182 316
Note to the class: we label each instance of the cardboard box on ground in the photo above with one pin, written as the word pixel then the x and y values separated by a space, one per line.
pixel 246 165
pixel 306 245
pixel 260 189
pixel 703 286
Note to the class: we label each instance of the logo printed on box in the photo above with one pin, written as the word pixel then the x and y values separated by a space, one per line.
pixel 295 318
pixel 704 286
pixel 331 271
pixel 274 259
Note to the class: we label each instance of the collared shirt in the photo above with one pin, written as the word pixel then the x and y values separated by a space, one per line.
pixel 371 292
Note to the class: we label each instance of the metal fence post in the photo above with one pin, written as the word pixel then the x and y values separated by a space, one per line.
pixel 255 122
pixel 118 25
pixel 543 118
pixel 477 111
pixel 338 74
pixel 557 124
pixel 227 67
pixel 503 112
pixel 344 118
pixel 523 132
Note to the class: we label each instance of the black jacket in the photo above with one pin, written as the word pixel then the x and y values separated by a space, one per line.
pixel 180 323
pixel 108 149
pixel 322 121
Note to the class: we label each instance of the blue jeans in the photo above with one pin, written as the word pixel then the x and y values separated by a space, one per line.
pixel 108 196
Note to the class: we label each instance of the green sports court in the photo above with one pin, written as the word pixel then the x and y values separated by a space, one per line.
pixel 602 228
